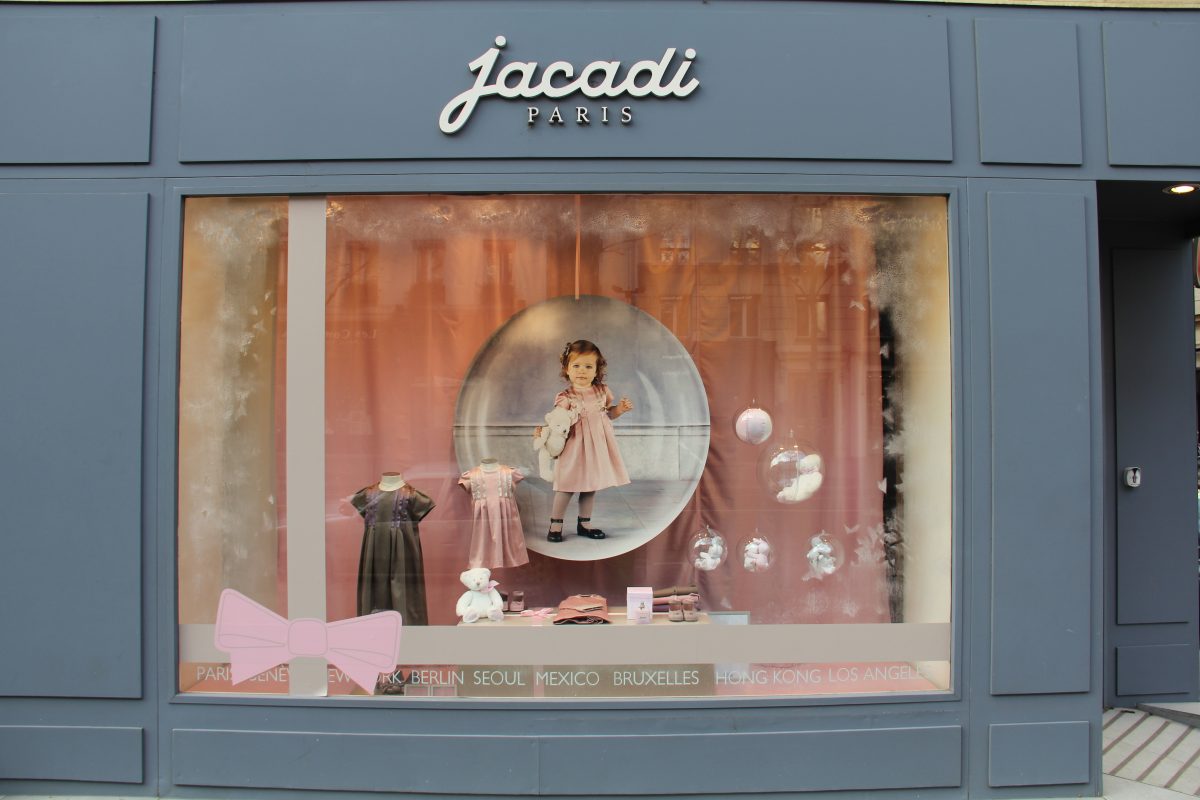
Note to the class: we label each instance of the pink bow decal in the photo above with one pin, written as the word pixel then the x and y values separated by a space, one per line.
pixel 258 639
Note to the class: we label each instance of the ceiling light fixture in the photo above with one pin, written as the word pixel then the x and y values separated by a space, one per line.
pixel 1181 188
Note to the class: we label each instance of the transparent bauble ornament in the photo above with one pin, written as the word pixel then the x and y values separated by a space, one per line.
pixel 753 426
pixel 825 556
pixel 756 552
pixel 708 549
pixel 793 472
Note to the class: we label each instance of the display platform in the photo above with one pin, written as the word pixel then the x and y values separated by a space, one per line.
pixel 600 680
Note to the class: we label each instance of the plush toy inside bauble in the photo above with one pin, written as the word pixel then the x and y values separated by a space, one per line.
pixel 822 556
pixel 708 549
pixel 756 554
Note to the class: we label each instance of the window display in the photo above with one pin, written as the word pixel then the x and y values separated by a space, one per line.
pixel 524 388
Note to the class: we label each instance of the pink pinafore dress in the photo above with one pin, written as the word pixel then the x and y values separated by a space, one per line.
pixel 590 460
pixel 497 539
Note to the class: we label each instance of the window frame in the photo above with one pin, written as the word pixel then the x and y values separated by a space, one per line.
pixel 954 190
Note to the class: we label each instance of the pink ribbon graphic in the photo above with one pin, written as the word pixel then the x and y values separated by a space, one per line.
pixel 258 639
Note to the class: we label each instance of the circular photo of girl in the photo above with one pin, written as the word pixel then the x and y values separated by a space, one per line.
pixel 602 409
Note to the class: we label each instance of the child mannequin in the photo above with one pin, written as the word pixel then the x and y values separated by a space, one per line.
pixel 391 481
pixel 590 460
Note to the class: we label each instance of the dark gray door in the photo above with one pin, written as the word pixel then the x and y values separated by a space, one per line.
pixel 1153 619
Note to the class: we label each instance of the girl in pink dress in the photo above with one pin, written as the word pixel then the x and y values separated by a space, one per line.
pixel 590 460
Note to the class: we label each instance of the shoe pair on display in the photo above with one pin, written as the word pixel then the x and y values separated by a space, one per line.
pixel 682 610
pixel 515 602
pixel 591 533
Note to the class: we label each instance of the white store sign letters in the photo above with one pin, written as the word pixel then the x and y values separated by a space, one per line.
pixel 560 79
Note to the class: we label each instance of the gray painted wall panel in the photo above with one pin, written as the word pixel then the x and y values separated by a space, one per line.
pixel 76 89
pixel 1039 753
pixel 1028 78
pixel 264 87
pixel 667 764
pixel 61 753
pixel 1153 97
pixel 71 338
pixel 1041 435
pixel 885 758
pixel 488 764
pixel 1156 669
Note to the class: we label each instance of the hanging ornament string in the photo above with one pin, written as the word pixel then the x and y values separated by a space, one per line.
pixel 578 236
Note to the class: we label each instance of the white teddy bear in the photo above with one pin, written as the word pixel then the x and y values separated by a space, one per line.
pixel 481 598
pixel 548 439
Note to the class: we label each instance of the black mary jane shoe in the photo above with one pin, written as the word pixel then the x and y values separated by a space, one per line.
pixel 591 533
pixel 555 536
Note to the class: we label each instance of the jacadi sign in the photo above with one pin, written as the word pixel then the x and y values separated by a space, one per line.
pixel 599 81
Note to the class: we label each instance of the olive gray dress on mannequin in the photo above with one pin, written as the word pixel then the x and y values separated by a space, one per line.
pixel 391 570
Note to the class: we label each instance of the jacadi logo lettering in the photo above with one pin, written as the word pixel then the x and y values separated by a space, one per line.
pixel 598 80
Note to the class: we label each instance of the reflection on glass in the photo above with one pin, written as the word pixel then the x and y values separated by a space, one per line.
pixel 232 506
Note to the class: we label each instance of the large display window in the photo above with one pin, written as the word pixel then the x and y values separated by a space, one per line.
pixel 563 446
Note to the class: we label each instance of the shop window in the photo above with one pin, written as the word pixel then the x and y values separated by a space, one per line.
pixel 670 313
pixel 812 317
pixel 739 406
pixel 743 315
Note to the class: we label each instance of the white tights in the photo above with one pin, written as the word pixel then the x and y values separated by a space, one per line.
pixel 587 501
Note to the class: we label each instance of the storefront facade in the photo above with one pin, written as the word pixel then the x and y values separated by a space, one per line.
pixel 300 296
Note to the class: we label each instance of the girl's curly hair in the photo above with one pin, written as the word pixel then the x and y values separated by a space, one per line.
pixel 582 347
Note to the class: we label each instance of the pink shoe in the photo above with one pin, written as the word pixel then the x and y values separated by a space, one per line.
pixel 675 611
pixel 689 611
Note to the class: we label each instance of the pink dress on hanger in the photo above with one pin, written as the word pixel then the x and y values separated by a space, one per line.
pixel 497 539
pixel 590 460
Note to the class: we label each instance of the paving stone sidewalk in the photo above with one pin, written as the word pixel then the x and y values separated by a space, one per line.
pixel 1142 747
